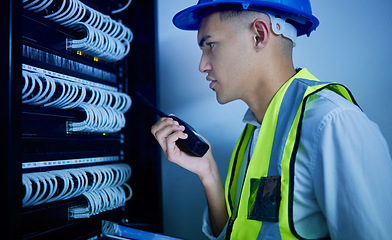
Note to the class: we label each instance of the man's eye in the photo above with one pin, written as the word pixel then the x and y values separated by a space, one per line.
pixel 211 44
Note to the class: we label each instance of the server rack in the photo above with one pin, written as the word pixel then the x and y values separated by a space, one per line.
pixel 67 163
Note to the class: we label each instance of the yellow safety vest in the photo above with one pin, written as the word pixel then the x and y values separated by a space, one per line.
pixel 266 201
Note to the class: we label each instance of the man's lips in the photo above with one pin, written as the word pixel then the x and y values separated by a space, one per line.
pixel 212 82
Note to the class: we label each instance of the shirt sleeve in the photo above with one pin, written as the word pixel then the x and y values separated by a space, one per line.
pixel 207 230
pixel 352 176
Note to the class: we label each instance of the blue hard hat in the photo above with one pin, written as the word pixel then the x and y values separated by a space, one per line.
pixel 299 12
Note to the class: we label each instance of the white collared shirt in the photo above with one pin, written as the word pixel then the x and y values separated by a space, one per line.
pixel 343 173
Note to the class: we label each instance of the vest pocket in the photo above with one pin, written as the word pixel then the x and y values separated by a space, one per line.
pixel 264 199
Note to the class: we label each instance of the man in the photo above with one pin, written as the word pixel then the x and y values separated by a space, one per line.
pixel 309 164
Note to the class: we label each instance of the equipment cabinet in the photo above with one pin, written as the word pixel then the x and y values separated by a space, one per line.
pixel 59 152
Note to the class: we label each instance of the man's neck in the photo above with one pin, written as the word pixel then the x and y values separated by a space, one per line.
pixel 262 94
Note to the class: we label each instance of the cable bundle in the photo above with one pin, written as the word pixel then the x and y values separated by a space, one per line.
pixel 99 119
pixel 101 29
pixel 44 187
pixel 104 108
pixel 98 44
pixel 102 200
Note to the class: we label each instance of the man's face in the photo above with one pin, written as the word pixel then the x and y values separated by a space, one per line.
pixel 226 57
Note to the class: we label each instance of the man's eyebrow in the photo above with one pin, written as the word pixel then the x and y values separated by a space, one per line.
pixel 203 39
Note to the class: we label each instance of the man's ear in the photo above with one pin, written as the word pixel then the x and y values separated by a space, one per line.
pixel 261 31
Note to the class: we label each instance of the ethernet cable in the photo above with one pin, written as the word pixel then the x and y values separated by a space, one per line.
pixel 60 98
pixel 96 117
pixel 28 189
pixel 104 109
pixel 29 196
pixel 74 11
pixel 97 178
pixel 78 16
pixel 39 6
pixel 81 181
pixel 103 199
pixel 54 14
pixel 63 14
pixel 51 182
pixel 40 190
pixel 66 179
pixel 75 182
pixel 129 190
pixel 27 78
pixel 47 94
pixel 106 39
pixel 100 201
pixel 69 186
pixel 80 99
pixel 68 93
pixel 33 98
pixel 100 44
pixel 122 8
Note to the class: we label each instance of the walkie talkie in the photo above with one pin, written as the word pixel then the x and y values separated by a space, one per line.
pixel 194 144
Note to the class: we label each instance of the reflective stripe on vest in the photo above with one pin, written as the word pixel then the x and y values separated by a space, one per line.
pixel 274 155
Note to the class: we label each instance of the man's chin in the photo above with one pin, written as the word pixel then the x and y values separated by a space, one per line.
pixel 222 100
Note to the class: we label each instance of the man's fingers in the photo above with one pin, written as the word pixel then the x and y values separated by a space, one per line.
pixel 162 123
pixel 172 151
pixel 167 128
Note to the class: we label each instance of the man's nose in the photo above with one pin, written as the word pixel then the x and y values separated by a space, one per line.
pixel 205 65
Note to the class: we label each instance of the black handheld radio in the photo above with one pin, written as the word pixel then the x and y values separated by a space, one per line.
pixel 194 144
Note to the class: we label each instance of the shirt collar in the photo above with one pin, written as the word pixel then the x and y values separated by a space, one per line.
pixel 250 118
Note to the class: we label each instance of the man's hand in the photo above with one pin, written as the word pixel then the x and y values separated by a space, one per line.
pixel 167 131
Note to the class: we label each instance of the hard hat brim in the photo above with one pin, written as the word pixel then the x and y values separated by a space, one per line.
pixel 188 19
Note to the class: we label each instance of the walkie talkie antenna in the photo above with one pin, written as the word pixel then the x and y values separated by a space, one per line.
pixel 159 112
pixel 193 144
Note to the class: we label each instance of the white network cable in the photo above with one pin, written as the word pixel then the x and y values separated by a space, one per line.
pixel 98 44
pixel 99 119
pixel 123 8
pixel 104 108
pixel 102 200
pixel 44 187
pixel 102 31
